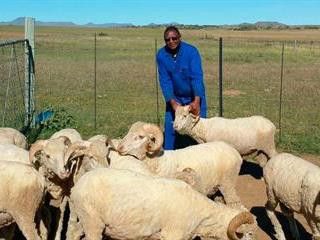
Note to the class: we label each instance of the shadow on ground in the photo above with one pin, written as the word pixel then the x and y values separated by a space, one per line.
pixel 251 168
pixel 265 224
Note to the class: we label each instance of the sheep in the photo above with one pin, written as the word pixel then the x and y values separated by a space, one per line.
pixel 215 165
pixel 10 152
pixel 13 136
pixel 295 184
pixel 99 151
pixel 127 205
pixel 22 190
pixel 247 135
pixel 48 157
pixel 70 133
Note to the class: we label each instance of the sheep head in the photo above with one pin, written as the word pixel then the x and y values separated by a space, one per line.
pixel 50 153
pixel 141 139
pixel 92 153
pixel 242 227
pixel 184 120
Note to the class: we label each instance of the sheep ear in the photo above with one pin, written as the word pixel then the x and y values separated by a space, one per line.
pixel 35 151
pixel 195 118
pixel 189 176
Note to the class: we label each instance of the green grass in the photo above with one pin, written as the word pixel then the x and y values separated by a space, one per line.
pixel 126 85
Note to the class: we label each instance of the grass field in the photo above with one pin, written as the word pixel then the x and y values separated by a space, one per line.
pixel 127 87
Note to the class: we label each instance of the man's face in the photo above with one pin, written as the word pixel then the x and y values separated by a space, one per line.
pixel 172 39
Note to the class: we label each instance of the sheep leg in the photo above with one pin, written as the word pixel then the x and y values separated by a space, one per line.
pixel 74 231
pixel 93 227
pixel 230 195
pixel 270 208
pixel 314 228
pixel 292 223
pixel 28 227
pixel 262 158
pixel 60 223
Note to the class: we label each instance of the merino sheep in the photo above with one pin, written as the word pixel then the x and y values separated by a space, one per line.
pixel 48 157
pixel 295 184
pixel 10 152
pixel 13 136
pixel 215 165
pixel 127 205
pixel 22 190
pixel 247 135
pixel 70 133
pixel 99 151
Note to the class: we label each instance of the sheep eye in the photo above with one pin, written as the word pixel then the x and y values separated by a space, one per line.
pixel 140 137
pixel 47 156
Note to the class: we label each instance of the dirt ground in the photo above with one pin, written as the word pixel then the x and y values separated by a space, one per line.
pixel 252 192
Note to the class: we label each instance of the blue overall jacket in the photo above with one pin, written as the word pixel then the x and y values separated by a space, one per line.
pixel 181 78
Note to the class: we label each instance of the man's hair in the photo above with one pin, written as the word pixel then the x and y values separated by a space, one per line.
pixel 171 29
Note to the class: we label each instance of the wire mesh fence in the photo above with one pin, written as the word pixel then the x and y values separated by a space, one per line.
pixel 12 86
pixel 127 88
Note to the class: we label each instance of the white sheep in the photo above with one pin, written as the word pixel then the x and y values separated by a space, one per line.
pixel 10 152
pixel 99 151
pixel 127 205
pixel 22 190
pixel 13 136
pixel 295 184
pixel 247 134
pixel 215 165
pixel 70 133
pixel 48 157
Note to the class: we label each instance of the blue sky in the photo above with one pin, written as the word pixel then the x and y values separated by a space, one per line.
pixel 142 12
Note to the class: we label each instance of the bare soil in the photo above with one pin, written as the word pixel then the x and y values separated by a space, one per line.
pixel 251 189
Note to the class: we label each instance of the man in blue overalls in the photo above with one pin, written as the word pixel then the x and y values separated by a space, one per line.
pixel 181 81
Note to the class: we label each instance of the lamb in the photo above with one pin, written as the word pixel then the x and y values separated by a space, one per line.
pixel 22 190
pixel 13 136
pixel 127 205
pixel 214 165
pixel 295 184
pixel 247 135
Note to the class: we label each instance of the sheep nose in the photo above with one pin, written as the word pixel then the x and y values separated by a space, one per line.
pixel 64 174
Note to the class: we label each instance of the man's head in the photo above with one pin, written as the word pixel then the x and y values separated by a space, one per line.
pixel 172 37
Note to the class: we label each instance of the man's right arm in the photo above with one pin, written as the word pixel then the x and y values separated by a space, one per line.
pixel 166 83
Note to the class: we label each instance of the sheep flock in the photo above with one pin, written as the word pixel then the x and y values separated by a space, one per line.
pixel 67 187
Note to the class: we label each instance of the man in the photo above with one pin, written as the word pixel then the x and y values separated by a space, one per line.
pixel 181 81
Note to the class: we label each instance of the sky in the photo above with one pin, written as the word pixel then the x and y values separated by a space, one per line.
pixel 143 12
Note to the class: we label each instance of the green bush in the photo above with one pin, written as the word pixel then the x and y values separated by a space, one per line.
pixel 59 120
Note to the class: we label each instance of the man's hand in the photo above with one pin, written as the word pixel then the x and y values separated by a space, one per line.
pixel 174 104
pixel 195 106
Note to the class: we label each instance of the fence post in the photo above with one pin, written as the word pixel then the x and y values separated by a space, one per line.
pixel 29 71
pixel 280 95
pixel 220 77
pixel 95 81
pixel 156 78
